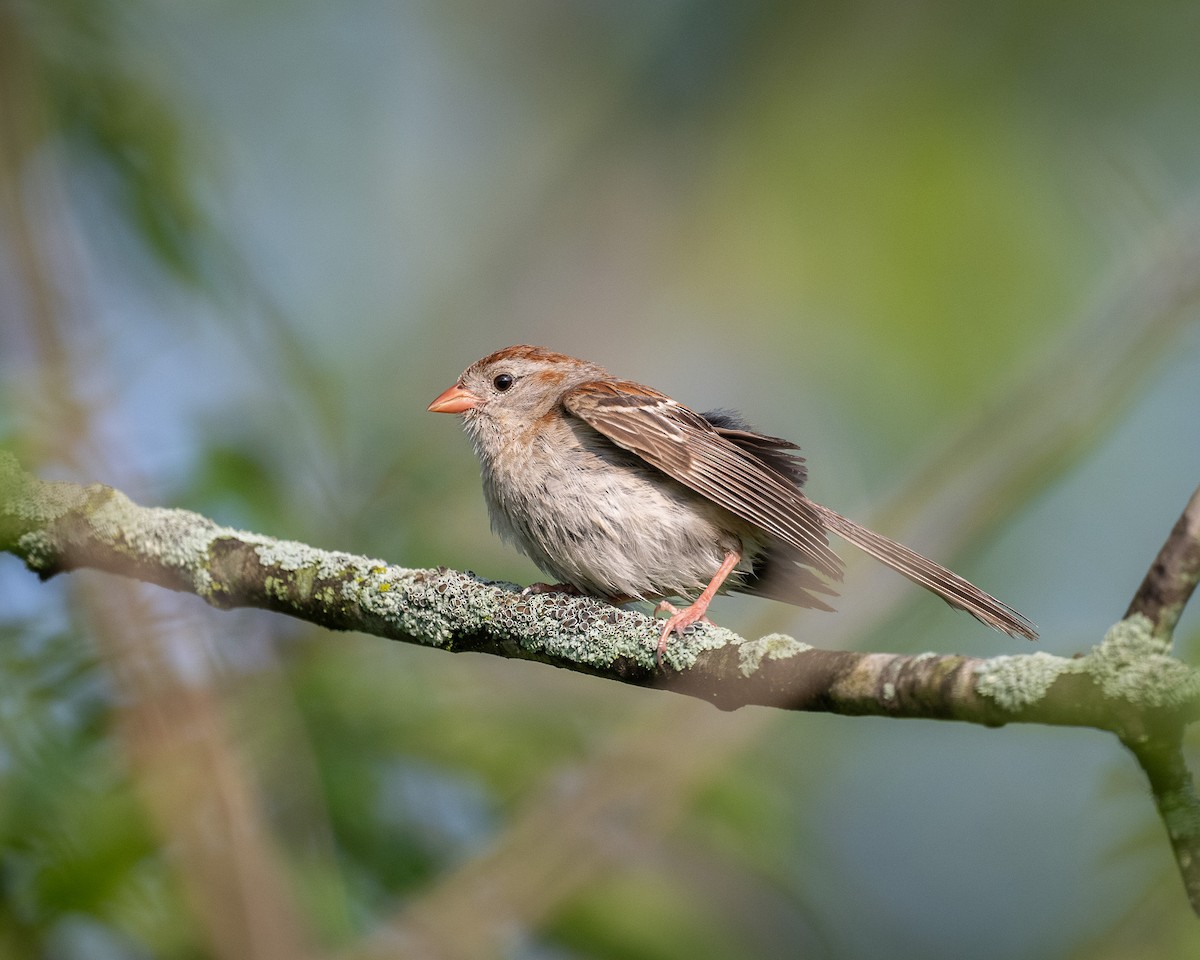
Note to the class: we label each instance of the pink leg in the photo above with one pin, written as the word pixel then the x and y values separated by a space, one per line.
pixel 682 619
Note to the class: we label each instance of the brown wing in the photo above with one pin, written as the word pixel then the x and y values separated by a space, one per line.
pixel 775 453
pixel 686 447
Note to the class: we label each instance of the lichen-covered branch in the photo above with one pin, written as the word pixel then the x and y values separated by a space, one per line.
pixel 1127 684
pixel 1159 601
pixel 1161 758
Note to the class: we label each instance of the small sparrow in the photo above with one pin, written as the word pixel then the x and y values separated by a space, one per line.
pixel 621 492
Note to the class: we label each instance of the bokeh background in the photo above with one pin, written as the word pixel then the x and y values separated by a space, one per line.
pixel 952 249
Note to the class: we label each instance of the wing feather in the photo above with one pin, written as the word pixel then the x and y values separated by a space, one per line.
pixel 688 448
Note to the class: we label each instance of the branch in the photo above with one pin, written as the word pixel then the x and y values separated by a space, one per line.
pixel 1128 684
pixel 1159 601
pixel 1174 574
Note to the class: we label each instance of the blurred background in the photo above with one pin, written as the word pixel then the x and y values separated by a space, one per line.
pixel 952 250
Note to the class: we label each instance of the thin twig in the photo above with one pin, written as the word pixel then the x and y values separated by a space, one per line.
pixel 1173 575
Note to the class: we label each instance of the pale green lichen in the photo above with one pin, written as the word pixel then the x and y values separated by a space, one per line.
pixel 1129 664
pixel 176 539
pixel 1132 664
pixel 774 646
pixel 434 608
pixel 683 651
pixel 1017 682
pixel 293 556
pixel 41 502
pixel 26 504
pixel 427 606
pixel 39 550
pixel 592 632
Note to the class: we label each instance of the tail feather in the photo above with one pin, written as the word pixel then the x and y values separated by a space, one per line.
pixel 932 576
pixel 779 572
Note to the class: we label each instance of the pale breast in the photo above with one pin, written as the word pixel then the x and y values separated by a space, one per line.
pixel 599 518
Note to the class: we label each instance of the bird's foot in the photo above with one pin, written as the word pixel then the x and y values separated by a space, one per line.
pixel 678 622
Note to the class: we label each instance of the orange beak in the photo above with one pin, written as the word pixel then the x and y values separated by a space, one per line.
pixel 454 400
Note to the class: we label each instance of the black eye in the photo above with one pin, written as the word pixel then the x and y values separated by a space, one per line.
pixel 502 381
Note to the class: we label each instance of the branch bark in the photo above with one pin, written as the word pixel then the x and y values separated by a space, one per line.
pixel 1128 684
pixel 1172 577
pixel 1160 599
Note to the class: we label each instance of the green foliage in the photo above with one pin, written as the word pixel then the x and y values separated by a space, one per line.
pixel 73 840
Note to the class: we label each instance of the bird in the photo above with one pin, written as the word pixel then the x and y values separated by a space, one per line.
pixel 620 492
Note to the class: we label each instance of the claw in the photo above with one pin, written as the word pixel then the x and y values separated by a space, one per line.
pixel 679 622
